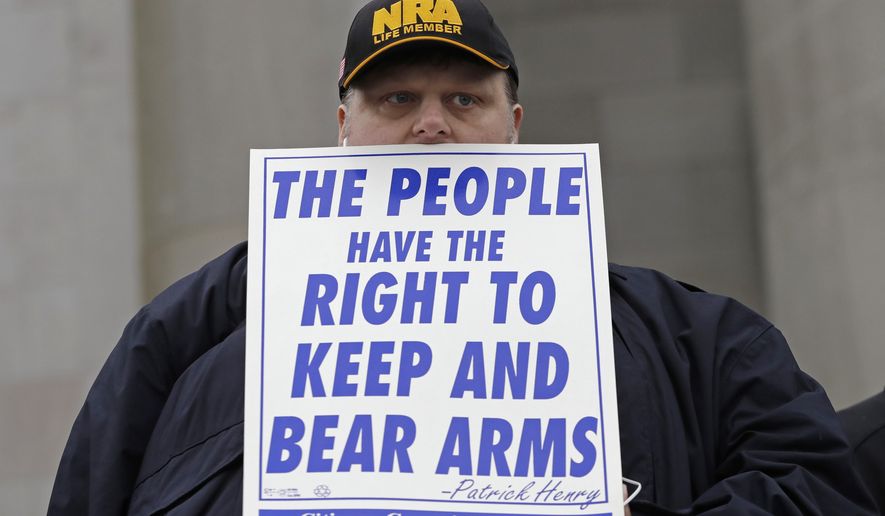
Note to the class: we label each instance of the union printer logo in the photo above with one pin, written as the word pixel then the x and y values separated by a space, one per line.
pixel 414 16
pixel 322 491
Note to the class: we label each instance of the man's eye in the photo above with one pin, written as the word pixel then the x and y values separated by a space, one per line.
pixel 464 100
pixel 398 98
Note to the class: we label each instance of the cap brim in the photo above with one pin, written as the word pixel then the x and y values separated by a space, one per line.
pixel 462 46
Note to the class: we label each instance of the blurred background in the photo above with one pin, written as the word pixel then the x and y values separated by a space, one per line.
pixel 742 143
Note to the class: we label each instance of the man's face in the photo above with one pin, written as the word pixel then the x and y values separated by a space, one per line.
pixel 461 102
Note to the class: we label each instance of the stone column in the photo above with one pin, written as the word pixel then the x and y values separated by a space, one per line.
pixel 818 86
pixel 69 232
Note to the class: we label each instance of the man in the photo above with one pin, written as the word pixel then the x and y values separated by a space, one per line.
pixel 715 415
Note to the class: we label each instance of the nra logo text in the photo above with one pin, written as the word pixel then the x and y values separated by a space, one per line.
pixel 410 16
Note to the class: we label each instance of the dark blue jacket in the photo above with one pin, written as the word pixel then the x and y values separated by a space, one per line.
pixel 864 423
pixel 715 415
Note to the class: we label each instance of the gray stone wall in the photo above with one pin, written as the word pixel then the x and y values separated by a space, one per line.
pixel 659 85
pixel 818 80
pixel 69 234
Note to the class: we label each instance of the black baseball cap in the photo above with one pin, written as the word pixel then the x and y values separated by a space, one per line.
pixel 384 24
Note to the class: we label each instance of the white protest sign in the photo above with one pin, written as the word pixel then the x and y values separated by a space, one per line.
pixel 429 332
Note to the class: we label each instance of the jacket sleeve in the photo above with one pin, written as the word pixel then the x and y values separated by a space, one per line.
pixel 102 457
pixel 782 450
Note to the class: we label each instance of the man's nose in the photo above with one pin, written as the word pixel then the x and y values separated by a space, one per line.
pixel 431 123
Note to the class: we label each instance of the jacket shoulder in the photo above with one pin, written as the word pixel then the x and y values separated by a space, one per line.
pixel 675 308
